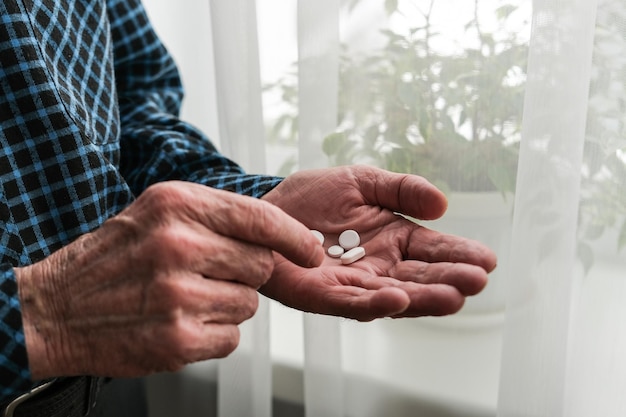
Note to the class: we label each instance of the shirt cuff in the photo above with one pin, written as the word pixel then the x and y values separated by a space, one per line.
pixel 15 378
pixel 246 184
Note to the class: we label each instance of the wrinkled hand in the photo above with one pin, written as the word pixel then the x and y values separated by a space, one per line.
pixel 408 270
pixel 163 284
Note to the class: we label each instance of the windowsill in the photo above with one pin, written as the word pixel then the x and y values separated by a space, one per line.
pixel 445 360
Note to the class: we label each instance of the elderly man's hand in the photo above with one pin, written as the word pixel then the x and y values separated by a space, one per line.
pixel 408 270
pixel 163 284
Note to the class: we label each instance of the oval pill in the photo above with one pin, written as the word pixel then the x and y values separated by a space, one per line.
pixel 349 239
pixel 335 251
pixel 353 255
pixel 318 235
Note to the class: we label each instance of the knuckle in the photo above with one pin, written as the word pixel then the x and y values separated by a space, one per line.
pixel 452 305
pixel 167 295
pixel 172 339
pixel 257 267
pixel 228 343
pixel 250 306
pixel 457 305
pixel 265 266
pixel 224 344
pixel 162 197
pixel 244 308
pixel 236 312
pixel 171 364
pixel 170 244
pixel 263 220
pixel 180 344
pixel 167 237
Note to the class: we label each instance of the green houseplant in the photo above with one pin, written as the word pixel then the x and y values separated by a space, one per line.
pixel 451 116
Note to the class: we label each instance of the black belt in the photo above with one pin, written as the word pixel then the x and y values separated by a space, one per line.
pixel 62 397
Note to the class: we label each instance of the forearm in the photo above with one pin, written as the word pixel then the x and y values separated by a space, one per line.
pixel 157 146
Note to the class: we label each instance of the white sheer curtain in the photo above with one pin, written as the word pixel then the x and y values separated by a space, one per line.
pixel 564 334
pixel 516 109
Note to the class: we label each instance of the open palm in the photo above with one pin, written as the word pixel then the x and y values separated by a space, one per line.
pixel 408 270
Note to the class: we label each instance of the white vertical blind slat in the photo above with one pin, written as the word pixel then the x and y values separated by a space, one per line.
pixel 238 82
pixel 318 69
pixel 244 378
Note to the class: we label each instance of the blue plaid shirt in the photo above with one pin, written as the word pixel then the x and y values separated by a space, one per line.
pixel 89 99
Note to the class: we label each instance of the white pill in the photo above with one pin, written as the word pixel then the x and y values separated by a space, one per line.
pixel 318 235
pixel 349 239
pixel 335 251
pixel 352 255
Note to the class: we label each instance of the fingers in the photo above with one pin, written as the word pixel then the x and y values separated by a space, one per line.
pixel 365 296
pixel 258 222
pixel 236 261
pixel 234 216
pixel 206 326
pixel 366 305
pixel 212 341
pixel 432 288
pixel 391 299
pixel 162 349
pixel 412 292
pixel 432 246
pixel 432 300
pixel 210 301
pixel 199 320
pixel 210 254
pixel 408 194
pixel 467 279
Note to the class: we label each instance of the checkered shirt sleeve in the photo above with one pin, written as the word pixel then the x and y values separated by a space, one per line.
pixel 156 145
pixel 89 103
pixel 14 375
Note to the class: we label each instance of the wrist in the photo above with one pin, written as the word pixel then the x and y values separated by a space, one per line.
pixel 42 330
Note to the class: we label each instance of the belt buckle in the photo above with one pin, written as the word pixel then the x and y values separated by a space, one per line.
pixel 10 409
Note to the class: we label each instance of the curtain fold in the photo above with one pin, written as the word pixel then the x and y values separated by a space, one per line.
pixel 544 268
pixel 562 337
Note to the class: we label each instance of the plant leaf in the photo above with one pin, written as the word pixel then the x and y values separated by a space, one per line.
pixel 279 125
pixel 594 231
pixel 501 177
pixel 288 167
pixel 585 255
pixel 505 10
pixel 334 143
pixel 370 136
pixel 391 6
pixel 547 242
